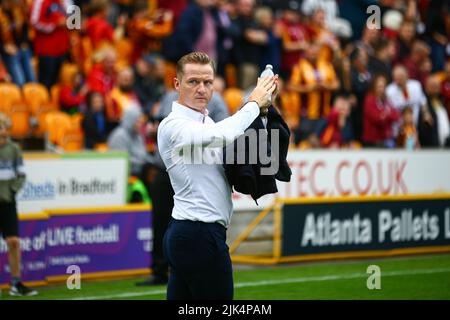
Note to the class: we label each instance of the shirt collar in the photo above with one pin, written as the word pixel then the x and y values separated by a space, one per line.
pixel 188 112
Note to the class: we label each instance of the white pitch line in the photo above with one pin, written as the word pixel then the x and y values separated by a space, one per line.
pixel 278 282
pixel 338 277
pixel 123 295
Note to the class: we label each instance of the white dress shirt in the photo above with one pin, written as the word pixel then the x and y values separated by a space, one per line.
pixel 202 192
pixel 416 97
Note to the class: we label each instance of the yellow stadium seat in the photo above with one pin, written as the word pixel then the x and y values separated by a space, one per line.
pixel 20 120
pixel 290 107
pixel 171 73
pixel 231 75
pixel 72 140
pixel 77 119
pixel 234 98
pixel 37 97
pixel 54 96
pixel 10 96
pixel 65 131
pixel 124 50
pixel 88 52
pixel 68 70
pixel 12 105
pixel 56 123
pixel 304 145
pixel 101 147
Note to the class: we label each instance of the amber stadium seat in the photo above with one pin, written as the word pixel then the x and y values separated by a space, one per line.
pixel 12 105
pixel 290 107
pixel 54 96
pixel 56 123
pixel 37 98
pixel 10 95
pixel 124 50
pixel 171 73
pixel 234 98
pixel 64 131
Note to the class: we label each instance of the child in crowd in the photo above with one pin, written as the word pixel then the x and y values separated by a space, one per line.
pixel 407 136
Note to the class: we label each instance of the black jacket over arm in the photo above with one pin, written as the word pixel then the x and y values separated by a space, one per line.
pixel 245 177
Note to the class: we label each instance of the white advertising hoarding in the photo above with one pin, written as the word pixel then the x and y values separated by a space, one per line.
pixel 73 181
pixel 358 173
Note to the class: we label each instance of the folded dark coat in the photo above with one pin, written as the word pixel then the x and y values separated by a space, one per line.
pixel 246 167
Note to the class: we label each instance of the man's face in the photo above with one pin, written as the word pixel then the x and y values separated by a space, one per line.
pixel 372 34
pixel 380 86
pixel 391 50
pixel 97 102
pixel 363 57
pixel 125 80
pixel 206 3
pixel 109 61
pixel 408 118
pixel 342 106
pixel 407 31
pixel 140 122
pixel 159 69
pixel 433 86
pixel 245 7
pixel 400 76
pixel 195 86
pixel 143 67
pixel 319 17
pixel 313 52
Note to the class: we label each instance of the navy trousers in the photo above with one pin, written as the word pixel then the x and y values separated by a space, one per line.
pixel 199 260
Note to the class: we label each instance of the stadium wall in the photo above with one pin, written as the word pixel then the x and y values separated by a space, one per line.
pixel 360 173
pixel 353 227
pixel 339 175
pixel 102 242
pixel 73 180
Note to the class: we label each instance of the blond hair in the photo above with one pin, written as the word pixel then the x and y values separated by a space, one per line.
pixel 261 13
pixel 195 58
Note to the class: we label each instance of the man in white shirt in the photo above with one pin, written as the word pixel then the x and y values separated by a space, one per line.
pixel 404 92
pixel 195 241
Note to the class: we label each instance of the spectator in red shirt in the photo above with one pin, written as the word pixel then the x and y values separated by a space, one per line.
pixel 413 63
pixel 72 94
pixel 338 129
pixel 379 116
pixel 294 36
pixel 102 76
pixel 98 28
pixel 51 41
pixel 176 7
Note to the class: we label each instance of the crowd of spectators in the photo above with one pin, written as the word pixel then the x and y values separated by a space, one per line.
pixel 349 77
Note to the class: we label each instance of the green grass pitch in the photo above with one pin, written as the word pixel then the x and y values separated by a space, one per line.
pixel 414 277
